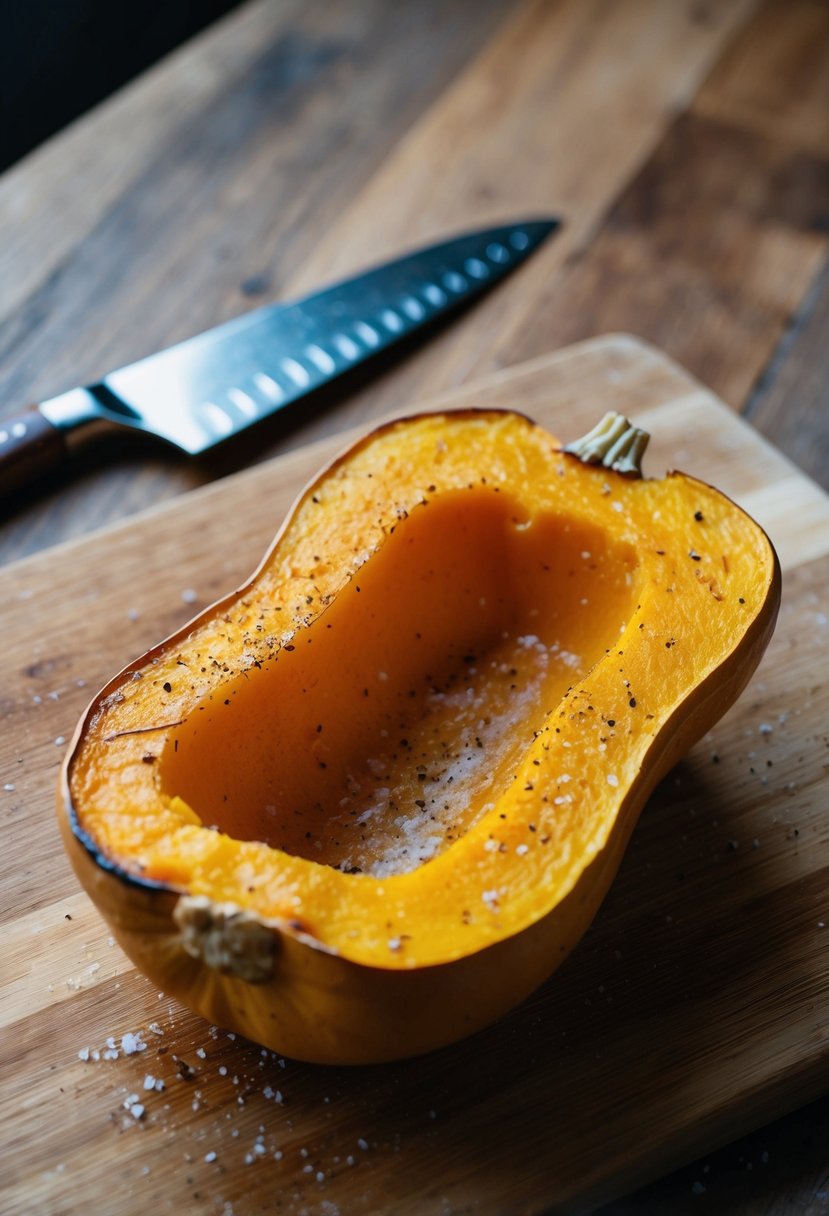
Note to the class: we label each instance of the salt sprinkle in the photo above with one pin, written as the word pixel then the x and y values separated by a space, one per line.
pixel 189 596
pixel 60 741
pixel 83 1054
pixel 363 1144
pixel 9 787
pixel 135 1108
pixel 521 849
pixel 210 1157
pixel 612 779
pixel 131 1043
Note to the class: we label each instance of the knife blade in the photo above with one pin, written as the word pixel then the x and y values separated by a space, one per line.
pixel 207 388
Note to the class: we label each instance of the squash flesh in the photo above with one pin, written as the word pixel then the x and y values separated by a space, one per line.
pixel 579 766
pixel 401 716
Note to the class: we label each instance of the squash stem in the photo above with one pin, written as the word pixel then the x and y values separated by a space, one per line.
pixel 614 443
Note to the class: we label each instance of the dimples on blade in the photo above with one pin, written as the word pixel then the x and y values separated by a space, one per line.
pixel 211 386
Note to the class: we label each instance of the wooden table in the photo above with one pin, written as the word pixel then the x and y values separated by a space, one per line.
pixel 685 144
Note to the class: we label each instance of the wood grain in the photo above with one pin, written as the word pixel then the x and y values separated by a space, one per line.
pixel 791 401
pixel 273 156
pixel 204 188
pixel 694 1009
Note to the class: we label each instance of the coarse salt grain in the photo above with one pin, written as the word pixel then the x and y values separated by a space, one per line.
pixel 521 849
pixel 131 1043
pixel 9 787
pixel 612 779
pixel 210 1157
pixel 60 740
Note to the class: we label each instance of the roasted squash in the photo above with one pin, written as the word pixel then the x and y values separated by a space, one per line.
pixel 367 803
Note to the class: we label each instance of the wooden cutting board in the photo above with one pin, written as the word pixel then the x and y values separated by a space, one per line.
pixel 696 1008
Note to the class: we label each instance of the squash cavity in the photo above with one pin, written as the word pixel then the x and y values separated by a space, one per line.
pixel 398 717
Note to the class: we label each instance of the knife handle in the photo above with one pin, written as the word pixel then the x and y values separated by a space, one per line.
pixel 30 447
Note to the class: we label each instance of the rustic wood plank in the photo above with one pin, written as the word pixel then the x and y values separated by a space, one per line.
pixel 568 121
pixel 791 402
pixel 716 919
pixel 297 165
pixel 774 79
pixel 707 253
pixel 243 148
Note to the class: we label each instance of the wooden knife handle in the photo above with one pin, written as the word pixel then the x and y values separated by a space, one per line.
pixel 30 447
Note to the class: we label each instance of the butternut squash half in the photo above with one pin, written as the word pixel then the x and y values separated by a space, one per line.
pixel 368 802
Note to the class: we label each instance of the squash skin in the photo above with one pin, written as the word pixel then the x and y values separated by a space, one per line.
pixel 328 1003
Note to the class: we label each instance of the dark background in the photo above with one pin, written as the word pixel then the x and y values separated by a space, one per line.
pixel 58 58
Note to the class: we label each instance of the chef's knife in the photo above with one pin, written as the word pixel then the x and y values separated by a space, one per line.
pixel 216 384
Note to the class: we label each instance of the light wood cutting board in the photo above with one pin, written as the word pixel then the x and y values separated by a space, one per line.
pixel 696 1008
